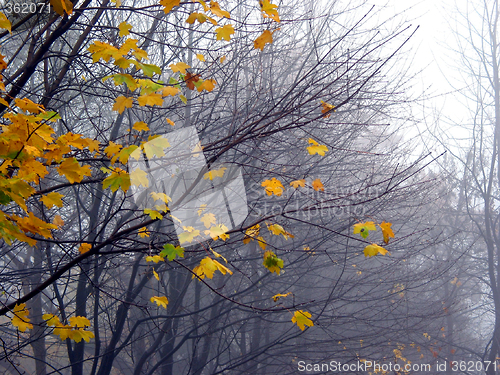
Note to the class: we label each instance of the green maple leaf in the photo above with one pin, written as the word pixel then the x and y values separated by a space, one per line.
pixel 170 252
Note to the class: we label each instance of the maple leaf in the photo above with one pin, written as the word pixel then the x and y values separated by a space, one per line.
pixel 138 177
pixel 112 149
pixel 364 228
pixel 170 122
pixel 191 79
pixel 34 225
pixel 188 235
pixel 214 173
pixel 272 262
pixel 62 6
pixel 27 105
pixel 179 67
pixel 265 38
pixel 327 109
pixel 63 331
pixel 79 322
pixel 169 4
pixel 125 154
pixel 302 319
pixel 276 297
pixel 317 185
pixel 262 243
pixel 170 91
pixel 273 186
pixel 101 50
pixel 121 103
pixel 78 334
pixel 155 146
pixel 374 249
pixel 51 320
pixel 155 258
pixel 386 231
pixel 123 78
pixel 143 232
pixel 250 233
pixel 140 126
pixel 161 197
pixel 217 231
pixel 150 99
pixel 316 148
pixel 5 23
pixel 208 266
pixel 208 220
pixel 222 59
pixel 52 199
pixel 84 247
pixel 215 9
pixel 200 57
pixel 160 301
pixel 58 221
pixel 155 274
pixel 224 32
pixel 153 214
pixel 207 84
pixel 124 28
pixel 118 179
pixel 171 252
pixel 277 229
pixel 20 319
pixel 298 183
pixel 269 10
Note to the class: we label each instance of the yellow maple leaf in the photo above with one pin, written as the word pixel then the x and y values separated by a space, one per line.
pixel 124 28
pixel 273 186
pixel 208 219
pixel 317 185
pixel 386 231
pixel 84 247
pixel 298 183
pixel 112 149
pixel 51 320
pixel 207 85
pixel 364 228
pixel 28 105
pixel 269 10
pixel 140 126
pixel 34 225
pixel 224 32
pixel 155 258
pixel 121 103
pixel 5 23
pixel 222 59
pixel 217 231
pixel 161 197
pixel 150 99
pixel 302 319
pixel 143 232
pixel 20 319
pixel 277 229
pixel 327 109
pixel 160 301
pixel 215 9
pixel 170 122
pixel 78 334
pixel 276 297
pixel 262 243
pixel 58 221
pixel 214 173
pixel 169 4
pixel 62 6
pixel 200 57
pixel 155 274
pixel 153 214
pixel 169 91
pixel 374 249
pixel 250 233
pixel 79 322
pixel 138 177
pixel 188 235
pixel 179 67
pixel 265 38
pixel 316 148
pixel 52 199
pixel 208 266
